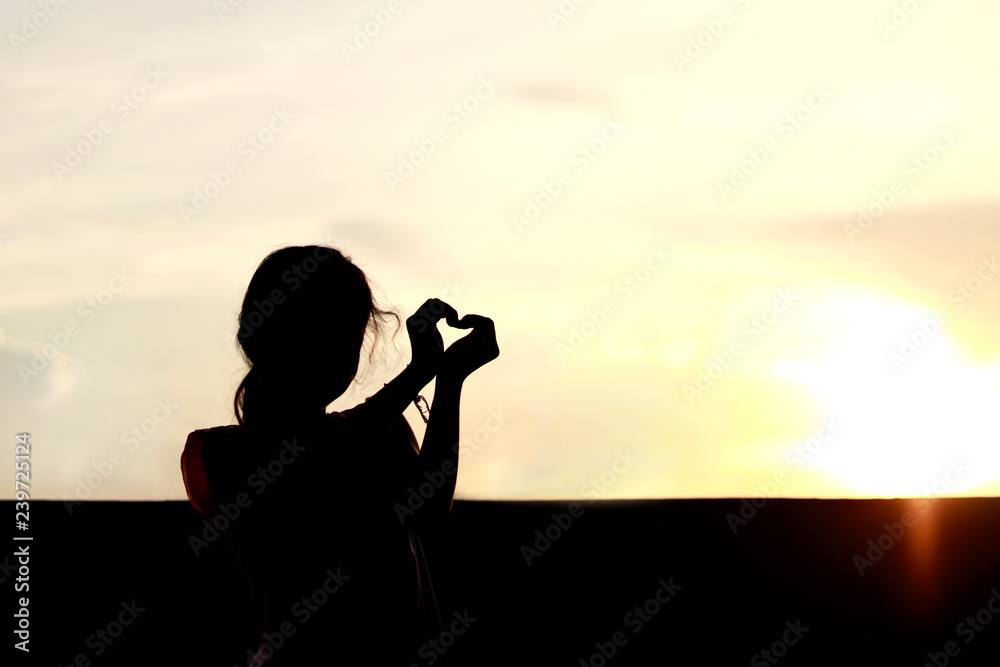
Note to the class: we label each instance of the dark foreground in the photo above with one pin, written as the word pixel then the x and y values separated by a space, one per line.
pixel 621 583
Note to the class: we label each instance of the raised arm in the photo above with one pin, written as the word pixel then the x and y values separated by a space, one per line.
pixel 380 411
pixel 438 459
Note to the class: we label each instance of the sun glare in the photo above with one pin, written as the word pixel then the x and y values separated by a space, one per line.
pixel 916 419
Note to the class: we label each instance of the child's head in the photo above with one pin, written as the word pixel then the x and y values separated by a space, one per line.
pixel 302 325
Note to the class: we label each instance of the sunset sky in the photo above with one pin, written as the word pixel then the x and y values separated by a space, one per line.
pixel 731 248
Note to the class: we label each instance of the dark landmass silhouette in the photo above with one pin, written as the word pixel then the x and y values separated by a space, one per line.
pixel 609 582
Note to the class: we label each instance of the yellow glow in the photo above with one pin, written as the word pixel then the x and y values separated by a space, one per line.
pixel 907 117
pixel 919 423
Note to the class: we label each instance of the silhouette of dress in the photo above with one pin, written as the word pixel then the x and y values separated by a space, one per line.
pixel 331 567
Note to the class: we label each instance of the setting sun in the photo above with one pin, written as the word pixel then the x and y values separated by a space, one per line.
pixel 698 252
pixel 918 418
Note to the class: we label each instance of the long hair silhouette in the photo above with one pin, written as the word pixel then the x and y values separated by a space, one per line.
pixel 301 296
pixel 321 509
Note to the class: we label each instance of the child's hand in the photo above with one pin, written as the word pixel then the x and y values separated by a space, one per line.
pixel 473 350
pixel 425 340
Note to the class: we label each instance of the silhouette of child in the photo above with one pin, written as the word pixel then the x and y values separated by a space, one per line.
pixel 325 533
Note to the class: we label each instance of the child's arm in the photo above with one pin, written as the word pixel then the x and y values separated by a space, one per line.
pixel 380 411
pixel 438 459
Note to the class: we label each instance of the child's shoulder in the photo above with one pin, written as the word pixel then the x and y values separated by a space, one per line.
pixel 202 434
pixel 196 482
pixel 206 444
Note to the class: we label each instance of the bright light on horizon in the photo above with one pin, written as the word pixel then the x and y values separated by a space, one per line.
pixel 694 255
